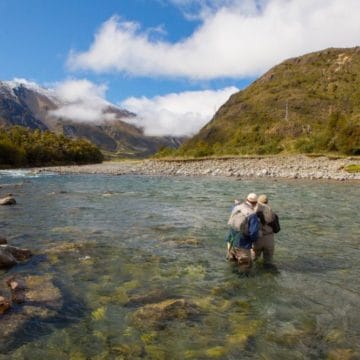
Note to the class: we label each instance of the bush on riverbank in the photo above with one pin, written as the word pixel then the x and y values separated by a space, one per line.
pixel 352 168
pixel 20 146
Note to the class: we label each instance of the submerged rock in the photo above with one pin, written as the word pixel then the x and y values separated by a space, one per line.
pixel 56 252
pixel 17 288
pixel 36 289
pixel 187 242
pixel 154 296
pixel 4 304
pixel 157 315
pixel 343 354
pixel 10 255
pixel 39 299
pixel 8 200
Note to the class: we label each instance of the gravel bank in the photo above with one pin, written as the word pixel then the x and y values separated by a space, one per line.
pixel 288 167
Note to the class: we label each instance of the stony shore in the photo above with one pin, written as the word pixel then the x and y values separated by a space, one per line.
pixel 287 167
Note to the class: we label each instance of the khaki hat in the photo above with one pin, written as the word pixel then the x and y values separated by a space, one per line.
pixel 263 199
pixel 252 198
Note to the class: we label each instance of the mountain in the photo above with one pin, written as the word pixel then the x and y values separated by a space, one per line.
pixel 305 104
pixel 29 105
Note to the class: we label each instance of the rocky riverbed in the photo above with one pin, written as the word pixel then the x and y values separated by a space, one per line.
pixel 288 167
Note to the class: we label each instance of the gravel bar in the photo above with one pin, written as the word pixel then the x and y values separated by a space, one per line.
pixel 287 167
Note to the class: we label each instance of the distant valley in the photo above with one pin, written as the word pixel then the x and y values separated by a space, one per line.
pixel 35 108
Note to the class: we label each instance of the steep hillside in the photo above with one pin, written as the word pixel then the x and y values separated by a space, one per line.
pixel 32 106
pixel 305 104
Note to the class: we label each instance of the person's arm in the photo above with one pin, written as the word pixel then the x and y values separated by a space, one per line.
pixel 254 227
pixel 261 217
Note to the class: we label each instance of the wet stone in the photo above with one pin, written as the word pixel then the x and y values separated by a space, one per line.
pixel 159 314
pixel 39 299
pixel 10 255
pixel 8 200
pixel 187 242
pixel 4 305
pixel 154 296
pixel 343 354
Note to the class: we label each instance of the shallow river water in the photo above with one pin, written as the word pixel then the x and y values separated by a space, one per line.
pixel 139 263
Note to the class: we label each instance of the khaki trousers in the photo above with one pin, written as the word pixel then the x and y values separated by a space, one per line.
pixel 265 245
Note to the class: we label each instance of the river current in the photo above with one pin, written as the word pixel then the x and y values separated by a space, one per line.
pixel 140 265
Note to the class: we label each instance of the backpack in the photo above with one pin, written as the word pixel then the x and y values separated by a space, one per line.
pixel 239 221
pixel 275 224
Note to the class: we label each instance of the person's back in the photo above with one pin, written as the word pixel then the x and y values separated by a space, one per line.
pixel 265 244
pixel 241 236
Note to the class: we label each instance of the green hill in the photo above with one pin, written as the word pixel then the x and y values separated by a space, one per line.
pixel 305 104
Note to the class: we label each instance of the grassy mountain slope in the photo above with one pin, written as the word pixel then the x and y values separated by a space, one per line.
pixel 305 104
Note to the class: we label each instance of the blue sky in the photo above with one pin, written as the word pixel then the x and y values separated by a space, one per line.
pixel 37 35
pixel 160 58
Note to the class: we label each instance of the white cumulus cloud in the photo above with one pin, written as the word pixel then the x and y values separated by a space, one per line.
pixel 236 39
pixel 81 100
pixel 177 114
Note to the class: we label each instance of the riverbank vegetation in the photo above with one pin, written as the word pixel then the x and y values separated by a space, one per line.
pixel 20 146
pixel 353 168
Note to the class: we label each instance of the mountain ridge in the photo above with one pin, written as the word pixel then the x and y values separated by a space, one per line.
pixel 305 104
pixel 29 105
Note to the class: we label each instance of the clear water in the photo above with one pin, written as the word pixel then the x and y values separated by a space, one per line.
pixel 108 241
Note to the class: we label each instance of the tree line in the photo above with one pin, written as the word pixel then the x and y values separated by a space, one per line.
pixel 20 146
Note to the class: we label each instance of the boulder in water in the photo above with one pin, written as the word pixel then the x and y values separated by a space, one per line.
pixel 10 255
pixel 8 200
pixel 3 240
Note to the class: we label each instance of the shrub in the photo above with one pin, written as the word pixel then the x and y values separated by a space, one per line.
pixel 22 146
pixel 352 168
pixel 10 154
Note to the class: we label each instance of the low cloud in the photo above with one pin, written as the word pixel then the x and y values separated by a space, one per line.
pixel 177 114
pixel 236 39
pixel 81 100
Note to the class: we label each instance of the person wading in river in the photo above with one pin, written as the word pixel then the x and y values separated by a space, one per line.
pixel 243 232
pixel 265 244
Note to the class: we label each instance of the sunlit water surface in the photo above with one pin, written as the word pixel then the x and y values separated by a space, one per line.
pixel 116 244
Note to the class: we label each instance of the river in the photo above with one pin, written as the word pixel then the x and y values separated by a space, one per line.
pixel 140 265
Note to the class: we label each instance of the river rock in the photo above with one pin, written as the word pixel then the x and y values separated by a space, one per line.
pixel 159 314
pixel 36 289
pixel 187 242
pixel 41 300
pixel 17 288
pixel 3 240
pixel 343 354
pixel 7 260
pixel 4 304
pixel 154 296
pixel 8 200
pixel 275 166
pixel 10 255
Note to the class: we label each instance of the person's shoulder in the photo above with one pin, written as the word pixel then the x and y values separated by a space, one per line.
pixel 237 207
